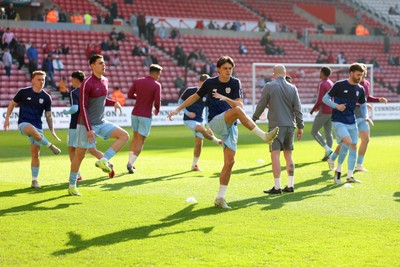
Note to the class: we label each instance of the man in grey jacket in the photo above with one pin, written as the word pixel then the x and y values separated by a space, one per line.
pixel 284 111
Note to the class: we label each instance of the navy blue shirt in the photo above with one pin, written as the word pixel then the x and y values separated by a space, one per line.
pixel 231 89
pixel 31 106
pixel 345 93
pixel 74 100
pixel 197 107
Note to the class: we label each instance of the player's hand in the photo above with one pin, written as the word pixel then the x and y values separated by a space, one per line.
pixel 192 115
pixel 383 100
pixel 65 112
pixel 299 134
pixel 341 107
pixel 156 111
pixel 172 113
pixel 368 119
pixel 91 137
pixel 6 125
pixel 219 96
pixel 55 136
pixel 117 105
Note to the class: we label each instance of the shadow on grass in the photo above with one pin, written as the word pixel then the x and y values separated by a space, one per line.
pixel 34 206
pixel 396 195
pixel 188 213
pixel 135 181
pixel 52 187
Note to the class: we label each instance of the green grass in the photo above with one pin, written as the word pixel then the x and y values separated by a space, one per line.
pixel 143 220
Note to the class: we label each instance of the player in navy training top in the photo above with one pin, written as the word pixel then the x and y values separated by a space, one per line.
pixel 345 94
pixel 193 119
pixel 32 102
pixel 225 106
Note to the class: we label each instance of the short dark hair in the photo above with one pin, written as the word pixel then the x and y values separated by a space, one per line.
pixel 356 67
pixel 225 59
pixel 326 71
pixel 93 58
pixel 203 77
pixel 288 79
pixel 80 75
pixel 155 68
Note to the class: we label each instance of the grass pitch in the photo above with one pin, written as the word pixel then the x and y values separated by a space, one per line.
pixel 143 219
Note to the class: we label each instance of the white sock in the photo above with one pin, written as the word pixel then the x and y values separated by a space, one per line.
pixel 291 181
pixel 49 144
pixel 216 140
pixel 349 173
pixel 327 148
pixel 260 133
pixel 195 161
pixel 339 167
pixel 34 178
pixel 132 157
pixel 222 190
pixel 277 183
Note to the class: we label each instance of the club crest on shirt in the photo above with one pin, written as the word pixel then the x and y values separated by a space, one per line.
pixel 357 93
pixel 227 90
pixel 29 98
pixel 97 88
pixel 204 99
pixel 346 91
pixel 41 100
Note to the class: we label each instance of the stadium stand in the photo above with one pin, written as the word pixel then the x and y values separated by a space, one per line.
pixel 213 45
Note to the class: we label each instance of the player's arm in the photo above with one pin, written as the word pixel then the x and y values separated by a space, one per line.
pixel 318 102
pixel 132 92
pixel 157 101
pixel 49 119
pixel 187 112
pixel 72 110
pixel 10 109
pixel 238 102
pixel 262 104
pixel 329 102
pixel 189 101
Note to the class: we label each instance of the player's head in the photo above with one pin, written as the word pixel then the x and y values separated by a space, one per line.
pixel 155 71
pixel 97 64
pixel 279 71
pixel 325 72
pixel 365 71
pixel 225 65
pixel 77 78
pixel 356 72
pixel 38 79
pixel 202 78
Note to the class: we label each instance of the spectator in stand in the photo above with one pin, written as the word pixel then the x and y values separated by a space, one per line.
pixel 341 59
pixel 57 63
pixel 46 48
pixel 394 10
pixel 339 29
pixel 113 34
pixel 2 15
pixel 320 28
pixel 19 53
pixel 141 23
pixel 7 61
pixel 180 84
pixel 52 16
pixel 199 25
pixel 151 28
pixel 147 61
pixel 175 33
pixel 162 32
pixel 88 18
pixel 100 18
pixel 114 45
pixel 154 59
pixel 114 9
pixel 211 25
pixel 180 55
pixel 386 44
pixel 108 19
pixel 118 96
pixel 33 57
pixel 242 49
pixel 106 44
pixel 361 30
pixel 62 17
pixel 331 59
pixel 375 64
pixel 77 18
pixel 133 22
pixel 63 87
pixel 136 50
pixel 63 50
pixel 262 25
pixel 115 61
pixel 11 12
pixel 7 38
pixel 47 66
pixel 121 35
